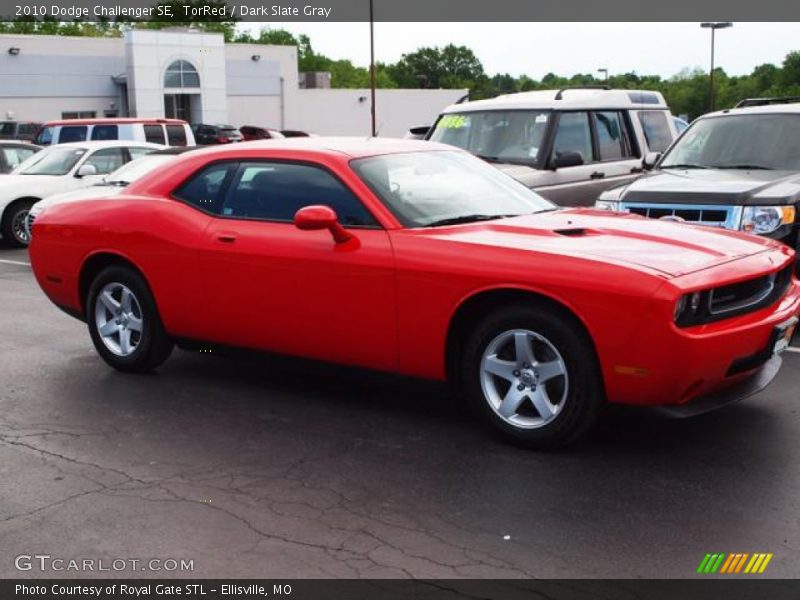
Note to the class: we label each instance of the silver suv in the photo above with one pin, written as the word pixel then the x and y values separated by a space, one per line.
pixel 568 145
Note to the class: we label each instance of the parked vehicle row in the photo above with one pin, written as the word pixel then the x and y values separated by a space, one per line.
pixel 57 169
pixel 420 259
pixel 22 131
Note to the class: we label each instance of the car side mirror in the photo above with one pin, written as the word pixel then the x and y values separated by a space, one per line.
pixel 85 171
pixel 314 218
pixel 567 159
pixel 650 159
pixel 418 133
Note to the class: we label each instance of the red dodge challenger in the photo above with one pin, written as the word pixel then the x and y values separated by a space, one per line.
pixel 420 259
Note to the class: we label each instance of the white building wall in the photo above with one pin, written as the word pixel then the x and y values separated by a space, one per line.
pixel 55 74
pixel 149 54
pixel 347 111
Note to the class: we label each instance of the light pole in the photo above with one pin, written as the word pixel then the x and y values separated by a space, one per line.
pixel 713 26
pixel 605 73
pixel 372 67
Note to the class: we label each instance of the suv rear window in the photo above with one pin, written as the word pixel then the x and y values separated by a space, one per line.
pixel 656 129
pixel 73 133
pixel 154 134
pixel 176 135
pixel 105 132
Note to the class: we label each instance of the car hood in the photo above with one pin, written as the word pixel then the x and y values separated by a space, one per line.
pixel 94 192
pixel 671 249
pixel 715 186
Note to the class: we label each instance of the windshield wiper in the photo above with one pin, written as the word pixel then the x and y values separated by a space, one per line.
pixel 491 159
pixel 466 219
pixel 682 166
pixel 116 183
pixel 743 167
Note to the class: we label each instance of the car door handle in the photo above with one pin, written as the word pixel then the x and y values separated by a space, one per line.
pixel 636 169
pixel 227 237
pixel 597 175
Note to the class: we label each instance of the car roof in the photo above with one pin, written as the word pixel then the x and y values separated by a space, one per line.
pixel 20 144
pixel 567 99
pixel 766 109
pixel 352 147
pixel 112 121
pixel 95 144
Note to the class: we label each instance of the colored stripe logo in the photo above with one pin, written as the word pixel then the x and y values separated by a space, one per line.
pixel 737 562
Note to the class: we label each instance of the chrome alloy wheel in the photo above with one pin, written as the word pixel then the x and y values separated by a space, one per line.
pixel 118 318
pixel 19 227
pixel 524 378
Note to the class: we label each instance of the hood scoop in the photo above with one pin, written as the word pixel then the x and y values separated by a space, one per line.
pixel 575 232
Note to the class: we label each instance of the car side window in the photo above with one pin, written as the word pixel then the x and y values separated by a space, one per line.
pixel 14 156
pixel 105 132
pixel 613 142
pixel 206 188
pixel 106 160
pixel 574 135
pixel 138 151
pixel 275 191
pixel 656 129
pixel 72 133
pixel 176 135
pixel 154 134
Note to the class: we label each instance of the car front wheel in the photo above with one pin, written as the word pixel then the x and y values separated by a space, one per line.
pixel 531 373
pixel 124 323
pixel 14 227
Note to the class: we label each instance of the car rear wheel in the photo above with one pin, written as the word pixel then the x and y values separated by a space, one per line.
pixel 15 231
pixel 530 372
pixel 124 323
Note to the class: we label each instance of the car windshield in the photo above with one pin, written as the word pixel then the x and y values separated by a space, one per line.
pixel 509 136
pixel 137 168
pixel 440 187
pixel 755 141
pixel 52 161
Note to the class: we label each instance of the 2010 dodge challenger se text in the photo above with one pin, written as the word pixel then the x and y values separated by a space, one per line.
pixel 418 258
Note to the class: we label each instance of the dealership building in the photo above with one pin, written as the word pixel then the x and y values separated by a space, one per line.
pixel 194 76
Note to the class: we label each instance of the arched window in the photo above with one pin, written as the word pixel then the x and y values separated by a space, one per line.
pixel 181 74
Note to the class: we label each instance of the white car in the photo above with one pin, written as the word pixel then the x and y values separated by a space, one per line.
pixel 111 185
pixel 58 169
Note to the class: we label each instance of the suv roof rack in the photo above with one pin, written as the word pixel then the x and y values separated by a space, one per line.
pixel 581 87
pixel 766 101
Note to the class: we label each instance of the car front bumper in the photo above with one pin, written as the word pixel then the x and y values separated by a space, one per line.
pixel 696 369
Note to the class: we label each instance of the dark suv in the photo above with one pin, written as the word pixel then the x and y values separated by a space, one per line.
pixel 215 134
pixel 18 130
pixel 736 169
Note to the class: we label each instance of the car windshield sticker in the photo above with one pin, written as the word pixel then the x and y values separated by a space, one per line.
pixel 453 122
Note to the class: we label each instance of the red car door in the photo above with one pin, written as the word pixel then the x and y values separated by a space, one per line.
pixel 274 287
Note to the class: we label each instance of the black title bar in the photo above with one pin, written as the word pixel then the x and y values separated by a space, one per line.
pixel 403 10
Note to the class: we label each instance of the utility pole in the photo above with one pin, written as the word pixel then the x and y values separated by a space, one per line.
pixel 372 67
pixel 713 26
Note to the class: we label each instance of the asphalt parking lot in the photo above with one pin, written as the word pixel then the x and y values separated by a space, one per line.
pixel 274 467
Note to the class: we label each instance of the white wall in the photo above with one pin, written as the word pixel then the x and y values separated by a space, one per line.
pixel 150 52
pixel 55 74
pixel 347 112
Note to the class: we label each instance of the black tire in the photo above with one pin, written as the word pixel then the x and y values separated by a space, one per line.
pixel 152 344
pixel 581 390
pixel 14 214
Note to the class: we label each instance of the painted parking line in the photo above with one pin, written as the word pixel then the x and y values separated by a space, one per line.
pixel 14 262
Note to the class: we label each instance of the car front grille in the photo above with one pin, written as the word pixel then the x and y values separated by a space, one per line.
pixel 727 217
pixel 740 298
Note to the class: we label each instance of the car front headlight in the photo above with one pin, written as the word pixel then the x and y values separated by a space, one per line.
pixel 766 219
pixel 607 204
